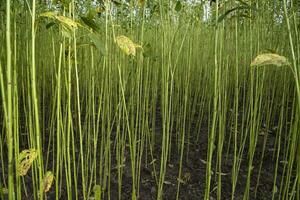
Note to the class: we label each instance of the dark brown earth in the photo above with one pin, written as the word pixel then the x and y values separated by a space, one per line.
pixel 194 168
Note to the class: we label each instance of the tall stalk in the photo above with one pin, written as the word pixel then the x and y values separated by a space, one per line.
pixel 9 117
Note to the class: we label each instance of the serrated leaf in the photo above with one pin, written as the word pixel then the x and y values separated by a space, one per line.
pixel 48 180
pixel 126 45
pixel 270 59
pixel 25 160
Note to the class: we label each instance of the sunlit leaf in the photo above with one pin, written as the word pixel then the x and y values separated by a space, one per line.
pixel 25 160
pixel 126 45
pixel 66 31
pixel 62 19
pixel 270 59
pixel 48 180
pixel 67 21
pixel 48 14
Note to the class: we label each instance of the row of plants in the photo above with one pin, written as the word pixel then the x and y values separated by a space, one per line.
pixel 94 91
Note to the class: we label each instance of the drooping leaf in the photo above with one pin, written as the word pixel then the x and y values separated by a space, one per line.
pixel 25 160
pixel 67 21
pixel 48 15
pixel 127 45
pixel 49 25
pixel 222 17
pixel 66 31
pixel 97 192
pixel 47 181
pixel 98 43
pixel 90 23
pixel 178 6
pixel 62 19
pixel 243 7
pixel 270 59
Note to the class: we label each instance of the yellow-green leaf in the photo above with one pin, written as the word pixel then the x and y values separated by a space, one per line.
pixel 66 31
pixel 48 14
pixel 97 192
pixel 67 21
pixel 62 19
pixel 126 45
pixel 48 180
pixel 25 160
pixel 270 59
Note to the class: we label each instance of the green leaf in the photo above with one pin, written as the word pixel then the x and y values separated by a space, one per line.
pixel 270 59
pixel 90 23
pixel 97 42
pixel 222 17
pixel 49 25
pixel 244 7
pixel 66 31
pixel 178 6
